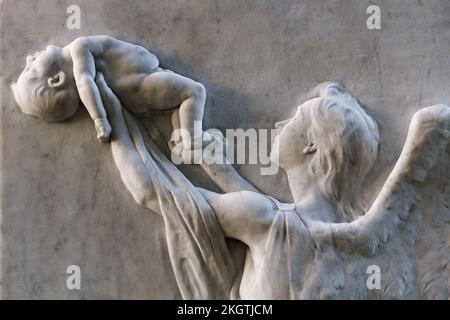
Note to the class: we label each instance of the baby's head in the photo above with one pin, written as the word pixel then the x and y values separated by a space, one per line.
pixel 46 89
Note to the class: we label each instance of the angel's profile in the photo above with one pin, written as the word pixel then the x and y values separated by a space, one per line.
pixel 320 246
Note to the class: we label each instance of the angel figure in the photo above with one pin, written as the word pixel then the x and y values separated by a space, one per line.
pixel 320 246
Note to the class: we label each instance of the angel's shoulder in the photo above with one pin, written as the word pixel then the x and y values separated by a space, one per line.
pixel 242 205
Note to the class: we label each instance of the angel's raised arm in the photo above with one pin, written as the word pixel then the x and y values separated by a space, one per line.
pixel 126 156
pixel 428 137
pixel 227 178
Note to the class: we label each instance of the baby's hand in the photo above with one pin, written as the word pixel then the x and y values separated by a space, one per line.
pixel 103 129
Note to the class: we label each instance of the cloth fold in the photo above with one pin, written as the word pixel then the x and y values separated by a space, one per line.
pixel 201 261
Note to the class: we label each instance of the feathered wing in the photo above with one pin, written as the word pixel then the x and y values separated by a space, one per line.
pixel 433 249
pixel 406 232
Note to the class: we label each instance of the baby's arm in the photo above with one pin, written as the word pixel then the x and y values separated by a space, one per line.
pixel 84 73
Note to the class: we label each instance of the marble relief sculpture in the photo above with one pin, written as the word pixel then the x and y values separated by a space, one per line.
pixel 318 247
pixel 56 79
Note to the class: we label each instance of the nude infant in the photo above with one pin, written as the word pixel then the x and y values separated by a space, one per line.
pixel 56 79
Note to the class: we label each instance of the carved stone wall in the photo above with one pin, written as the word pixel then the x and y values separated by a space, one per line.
pixel 62 200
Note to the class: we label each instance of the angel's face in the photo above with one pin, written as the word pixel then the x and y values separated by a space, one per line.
pixel 289 145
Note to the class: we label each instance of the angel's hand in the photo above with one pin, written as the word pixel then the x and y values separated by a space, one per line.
pixel 112 104
pixel 113 109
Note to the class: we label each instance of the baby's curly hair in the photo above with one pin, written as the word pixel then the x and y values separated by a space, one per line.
pixel 46 103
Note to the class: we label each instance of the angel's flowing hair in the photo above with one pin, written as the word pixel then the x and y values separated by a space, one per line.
pixel 347 140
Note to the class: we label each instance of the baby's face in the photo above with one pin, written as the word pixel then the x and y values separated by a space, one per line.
pixel 42 63
pixel 39 66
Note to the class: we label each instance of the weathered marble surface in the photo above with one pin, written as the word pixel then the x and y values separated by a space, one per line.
pixel 62 198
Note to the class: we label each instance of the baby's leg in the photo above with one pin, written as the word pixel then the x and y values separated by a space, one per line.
pixel 165 90
pixel 175 120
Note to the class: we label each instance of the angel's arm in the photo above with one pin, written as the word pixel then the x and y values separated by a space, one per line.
pixel 226 177
pixel 219 169
pixel 428 137
pixel 244 215
pixel 132 169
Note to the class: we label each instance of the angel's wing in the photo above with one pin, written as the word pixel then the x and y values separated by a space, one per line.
pixel 406 233
pixel 433 244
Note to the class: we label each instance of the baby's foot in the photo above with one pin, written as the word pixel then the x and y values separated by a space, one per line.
pixel 103 129
pixel 192 152
pixel 186 149
pixel 182 155
pixel 192 156
pixel 217 147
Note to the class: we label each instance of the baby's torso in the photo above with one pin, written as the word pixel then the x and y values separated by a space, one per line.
pixel 125 66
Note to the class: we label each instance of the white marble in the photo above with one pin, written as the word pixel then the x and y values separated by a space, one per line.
pixel 64 202
pixel 321 245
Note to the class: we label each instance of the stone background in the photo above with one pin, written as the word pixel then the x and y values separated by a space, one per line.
pixel 62 200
